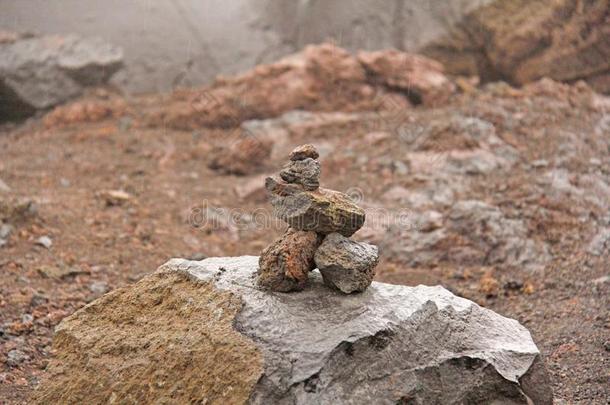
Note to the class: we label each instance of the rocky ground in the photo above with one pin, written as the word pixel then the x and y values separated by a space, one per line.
pixel 500 194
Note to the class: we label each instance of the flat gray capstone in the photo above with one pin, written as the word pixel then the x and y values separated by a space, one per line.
pixel 388 344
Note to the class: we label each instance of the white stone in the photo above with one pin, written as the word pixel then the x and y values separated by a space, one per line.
pixel 388 343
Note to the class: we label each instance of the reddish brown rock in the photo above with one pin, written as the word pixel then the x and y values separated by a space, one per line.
pixel 244 157
pixel 521 41
pixel 421 77
pixel 321 77
pixel 285 264
pixel 139 356
pixel 303 152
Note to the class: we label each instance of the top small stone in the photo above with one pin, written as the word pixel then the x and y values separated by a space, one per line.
pixel 303 152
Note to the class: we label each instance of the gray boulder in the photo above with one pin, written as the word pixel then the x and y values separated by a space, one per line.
pixel 346 265
pixel 41 72
pixel 227 341
pixel 486 235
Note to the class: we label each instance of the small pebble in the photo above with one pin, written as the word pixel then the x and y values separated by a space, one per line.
pixel 513 285
pixel 197 256
pixel 16 357
pixel 4 187
pixel 540 163
pixel 44 241
pixel 5 231
pixel 38 299
pixel 115 197
pixel 430 220
pixel 400 168
pixel 601 280
pixel 303 152
pixel 99 287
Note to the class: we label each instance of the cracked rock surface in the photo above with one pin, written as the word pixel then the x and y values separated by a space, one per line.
pixel 388 345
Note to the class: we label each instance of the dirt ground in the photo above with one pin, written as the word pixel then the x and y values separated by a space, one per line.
pixel 118 194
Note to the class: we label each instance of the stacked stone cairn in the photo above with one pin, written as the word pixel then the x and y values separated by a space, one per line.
pixel 320 224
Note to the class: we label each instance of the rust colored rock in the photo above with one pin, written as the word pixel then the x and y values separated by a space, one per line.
pixel 323 211
pixel 244 157
pixel 163 341
pixel 421 77
pixel 303 152
pixel 284 265
pixel 320 78
pixel 521 41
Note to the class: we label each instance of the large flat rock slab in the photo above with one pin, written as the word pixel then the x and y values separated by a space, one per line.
pixel 390 344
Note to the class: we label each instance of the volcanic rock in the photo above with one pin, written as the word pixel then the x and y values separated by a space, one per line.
pixel 473 233
pixel 202 332
pixel 305 172
pixel 286 263
pixel 421 77
pixel 15 210
pixel 246 156
pixel 15 357
pixel 303 152
pixel 345 264
pixel 521 41
pixel 324 211
pixel 322 77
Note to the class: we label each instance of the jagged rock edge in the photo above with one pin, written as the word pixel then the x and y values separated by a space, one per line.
pixel 213 276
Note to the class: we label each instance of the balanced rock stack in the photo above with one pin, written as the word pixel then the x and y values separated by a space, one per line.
pixel 321 222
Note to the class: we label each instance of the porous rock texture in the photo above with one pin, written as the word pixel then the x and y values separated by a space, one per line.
pixel 473 234
pixel 213 336
pixel 421 78
pixel 320 78
pixel 166 339
pixel 303 152
pixel 345 264
pixel 324 211
pixel 41 72
pixel 305 172
pixel 522 41
pixel 245 156
pixel 286 263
